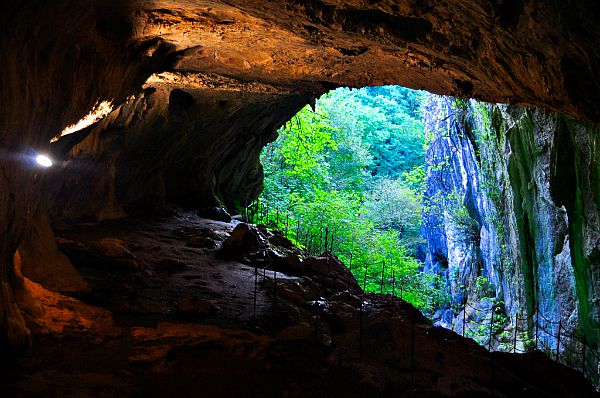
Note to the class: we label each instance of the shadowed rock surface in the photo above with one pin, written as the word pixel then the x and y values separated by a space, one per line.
pixel 173 331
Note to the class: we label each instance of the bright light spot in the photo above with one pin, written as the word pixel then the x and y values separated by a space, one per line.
pixel 98 112
pixel 43 160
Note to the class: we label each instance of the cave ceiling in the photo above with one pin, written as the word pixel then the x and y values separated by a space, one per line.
pixel 536 53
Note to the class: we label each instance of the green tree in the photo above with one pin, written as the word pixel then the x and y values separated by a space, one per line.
pixel 354 167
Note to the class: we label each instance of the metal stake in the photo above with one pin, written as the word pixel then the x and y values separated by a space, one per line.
pixel 382 277
pixel 558 340
pixel 515 336
pixel 255 290
pixel 537 325
pixel 393 284
pixel 583 355
pixel 491 328
pixel 274 294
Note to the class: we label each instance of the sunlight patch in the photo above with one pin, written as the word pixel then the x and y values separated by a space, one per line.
pixel 99 111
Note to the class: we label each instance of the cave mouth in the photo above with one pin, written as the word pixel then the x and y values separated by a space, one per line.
pixel 347 175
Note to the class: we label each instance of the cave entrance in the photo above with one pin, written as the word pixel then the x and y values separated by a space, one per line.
pixel 347 176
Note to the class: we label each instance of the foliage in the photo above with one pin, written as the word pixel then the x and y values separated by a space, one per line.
pixel 353 170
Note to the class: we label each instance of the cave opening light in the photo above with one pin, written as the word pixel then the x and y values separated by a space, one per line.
pixel 98 112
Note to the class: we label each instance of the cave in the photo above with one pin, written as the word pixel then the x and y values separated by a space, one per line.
pixel 122 275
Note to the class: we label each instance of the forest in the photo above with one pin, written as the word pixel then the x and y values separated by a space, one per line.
pixel 352 169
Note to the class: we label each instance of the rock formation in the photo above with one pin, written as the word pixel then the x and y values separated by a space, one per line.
pixel 505 215
pixel 200 86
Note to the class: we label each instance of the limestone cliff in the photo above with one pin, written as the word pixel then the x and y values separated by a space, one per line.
pixel 500 224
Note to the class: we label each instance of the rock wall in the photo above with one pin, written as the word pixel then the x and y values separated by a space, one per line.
pixel 512 215
pixel 57 62
pixel 183 144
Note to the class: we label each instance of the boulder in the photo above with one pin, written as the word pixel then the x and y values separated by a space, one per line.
pixel 282 241
pixel 106 252
pixel 244 239
pixel 215 213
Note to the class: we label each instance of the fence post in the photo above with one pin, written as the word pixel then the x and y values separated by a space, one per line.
pixel 382 276
pixel 318 243
pixel 255 291
pixel 365 276
pixel 583 355
pixel 537 324
pixel 464 328
pixel 277 219
pixel 274 296
pixel 558 340
pixel 331 245
pixel 401 291
pixel 287 224
pixel 491 327
pixel 393 284
pixel 466 298
pixel 326 240
pixel 257 211
pixel 516 332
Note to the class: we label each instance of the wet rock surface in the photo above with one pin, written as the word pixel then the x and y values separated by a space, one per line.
pixel 156 330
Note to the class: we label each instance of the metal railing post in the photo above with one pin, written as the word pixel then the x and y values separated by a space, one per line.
pixel 393 284
pixel 583 355
pixel 382 276
pixel 537 325
pixel 331 245
pixel 491 328
pixel 516 332
pixel 466 299
pixel 255 291
pixel 558 340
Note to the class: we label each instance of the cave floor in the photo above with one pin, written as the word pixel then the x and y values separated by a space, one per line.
pixel 159 273
pixel 169 314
